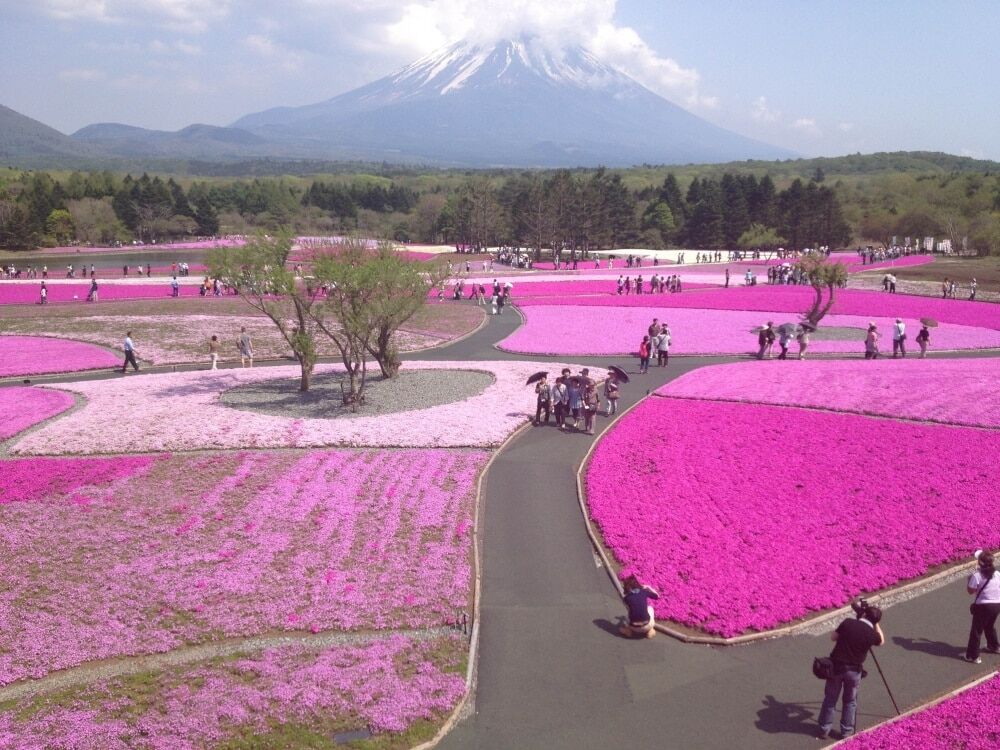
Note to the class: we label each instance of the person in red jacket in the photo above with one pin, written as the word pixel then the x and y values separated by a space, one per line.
pixel 644 350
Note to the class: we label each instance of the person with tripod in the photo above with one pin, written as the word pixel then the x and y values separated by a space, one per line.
pixel 984 585
pixel 854 639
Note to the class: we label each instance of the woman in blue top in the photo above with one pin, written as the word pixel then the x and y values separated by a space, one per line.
pixel 640 612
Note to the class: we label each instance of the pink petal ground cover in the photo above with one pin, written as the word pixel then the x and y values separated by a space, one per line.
pixel 385 686
pixel 20 408
pixel 562 289
pixel 969 721
pixel 678 486
pixel 952 391
pixel 134 414
pixel 574 330
pixel 18 293
pixel 35 355
pixel 132 555
pixel 795 300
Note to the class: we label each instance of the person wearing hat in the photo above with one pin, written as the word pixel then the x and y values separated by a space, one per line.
pixel 803 338
pixel 871 342
pixel 765 340
pixel 984 586
pixel 899 338
pixel 854 639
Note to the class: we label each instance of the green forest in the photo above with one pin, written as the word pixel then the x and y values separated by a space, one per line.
pixel 799 203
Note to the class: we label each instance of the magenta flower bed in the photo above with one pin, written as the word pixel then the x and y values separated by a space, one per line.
pixel 576 330
pixel 952 391
pixel 36 355
pixel 698 498
pixel 795 300
pixel 131 555
pixel 20 408
pixel 384 686
pixel 20 293
pixel 969 721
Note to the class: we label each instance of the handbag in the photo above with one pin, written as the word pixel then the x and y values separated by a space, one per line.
pixel 823 667
pixel 972 607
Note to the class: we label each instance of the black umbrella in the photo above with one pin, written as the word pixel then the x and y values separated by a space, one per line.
pixel 929 322
pixel 619 373
pixel 537 376
pixel 807 326
pixel 787 329
pixel 577 381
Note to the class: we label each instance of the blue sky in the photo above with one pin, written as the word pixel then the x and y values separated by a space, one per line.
pixel 820 77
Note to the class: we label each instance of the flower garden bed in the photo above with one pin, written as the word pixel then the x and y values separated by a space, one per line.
pixel 146 414
pixel 680 487
pixel 20 408
pixel 20 293
pixel 968 721
pixel 576 330
pixel 37 355
pixel 952 391
pixel 134 555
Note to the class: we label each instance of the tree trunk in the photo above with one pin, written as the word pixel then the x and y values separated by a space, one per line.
pixel 306 375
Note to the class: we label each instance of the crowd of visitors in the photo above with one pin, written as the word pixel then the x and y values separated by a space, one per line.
pixel 576 398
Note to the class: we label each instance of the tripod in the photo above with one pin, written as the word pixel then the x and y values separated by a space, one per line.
pixel 885 682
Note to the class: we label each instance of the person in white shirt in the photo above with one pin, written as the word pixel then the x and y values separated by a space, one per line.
pixel 984 586
pixel 129 354
pixel 899 338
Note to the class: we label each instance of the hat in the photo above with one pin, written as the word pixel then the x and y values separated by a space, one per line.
pixel 899 320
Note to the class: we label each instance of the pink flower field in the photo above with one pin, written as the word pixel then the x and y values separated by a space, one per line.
pixel 763 490
pixel 585 330
pixel 20 408
pixel 952 391
pixel 133 555
pixel 969 721
pixel 36 355
pixel 384 686
pixel 21 293
pixel 149 414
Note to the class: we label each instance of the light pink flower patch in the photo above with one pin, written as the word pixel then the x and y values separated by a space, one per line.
pixel 953 391
pixel 132 555
pixel 20 408
pixel 968 721
pixel 36 355
pixel 21 293
pixel 678 485
pixel 182 411
pixel 582 330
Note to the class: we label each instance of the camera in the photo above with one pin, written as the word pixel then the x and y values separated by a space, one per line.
pixel 867 611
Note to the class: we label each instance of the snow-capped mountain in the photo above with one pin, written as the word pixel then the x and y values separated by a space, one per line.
pixel 515 103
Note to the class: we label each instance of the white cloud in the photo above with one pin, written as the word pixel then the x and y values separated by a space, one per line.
pixel 761 111
pixel 263 46
pixel 81 75
pixel 845 127
pixel 181 15
pixel 807 125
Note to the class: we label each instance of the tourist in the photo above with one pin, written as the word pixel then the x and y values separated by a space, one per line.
pixel 175 287
pixel 765 340
pixel 92 294
pixel 480 295
pixel 574 395
pixel 501 301
pixel 43 295
pixel 984 585
pixel 611 393
pixel 892 283
pixel 543 401
pixel 45 272
pixel 494 300
pixel 783 338
pixel 923 340
pixel 854 639
pixel 871 342
pixel 727 279
pixel 899 339
pixel 620 284
pixel 560 400
pixel 628 285
pixel 640 619
pixel 644 352
pixel 663 346
pixel 129 354
pixel 654 328
pixel 944 288
pixel 92 270
pixel 213 351
pixel 803 339
pixel 972 289
pixel 591 405
pixel 245 347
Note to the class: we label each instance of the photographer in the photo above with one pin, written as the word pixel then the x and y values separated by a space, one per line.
pixel 984 586
pixel 854 639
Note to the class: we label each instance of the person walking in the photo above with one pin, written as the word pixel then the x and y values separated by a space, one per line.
pixel 803 339
pixel 984 586
pixel 611 394
pixel 765 340
pixel 899 339
pixel 784 337
pixel 175 287
pixel 923 340
pixel 543 401
pixel 245 346
pixel 213 351
pixel 644 350
pixel 501 301
pixel 129 348
pixel 574 395
pixel 854 639
pixel 493 303
pixel 640 620
pixel 663 346
pixel 92 294
pixel 591 405
pixel 560 400
pixel 973 285
pixel 43 295
pixel 727 279
pixel 871 342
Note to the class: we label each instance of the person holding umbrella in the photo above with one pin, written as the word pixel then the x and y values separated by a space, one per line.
pixel 784 336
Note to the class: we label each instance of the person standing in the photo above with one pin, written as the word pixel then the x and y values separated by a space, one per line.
pixel 501 301
pixel 245 345
pixel 591 404
pixel 984 586
pixel 765 340
pixel 654 328
pixel 543 401
pixel 92 294
pixel 175 287
pixel 213 351
pixel 783 338
pixel 644 349
pixel 611 394
pixel 727 279
pixel 560 400
pixel 43 295
pixel 923 340
pixel 574 394
pixel 663 346
pixel 972 289
pixel 898 338
pixel 129 354
pixel 854 639
pixel 803 339
pixel 494 301
pixel 871 342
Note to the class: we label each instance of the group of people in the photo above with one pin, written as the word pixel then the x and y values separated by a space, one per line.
pixel 658 284
pixel 244 345
pixel 767 335
pixel 869 255
pixel 949 289
pixel 576 398
pixel 873 337
pixel 656 343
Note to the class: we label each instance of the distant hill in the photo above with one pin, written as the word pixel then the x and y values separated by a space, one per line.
pixel 25 142
pixel 193 142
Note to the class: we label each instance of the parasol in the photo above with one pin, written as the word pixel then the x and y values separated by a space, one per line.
pixel 807 326
pixel 787 329
pixel 619 373
pixel 537 376
pixel 929 322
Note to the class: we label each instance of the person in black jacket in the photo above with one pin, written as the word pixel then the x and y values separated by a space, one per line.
pixel 854 639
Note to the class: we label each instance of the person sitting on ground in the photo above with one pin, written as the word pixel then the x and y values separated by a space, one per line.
pixel 641 622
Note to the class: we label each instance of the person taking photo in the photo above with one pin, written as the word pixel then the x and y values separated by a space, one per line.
pixel 984 587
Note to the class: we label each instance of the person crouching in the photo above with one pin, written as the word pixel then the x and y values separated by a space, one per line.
pixel 641 622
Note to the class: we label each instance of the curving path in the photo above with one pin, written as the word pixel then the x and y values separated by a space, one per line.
pixel 552 671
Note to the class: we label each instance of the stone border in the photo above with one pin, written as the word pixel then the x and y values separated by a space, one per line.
pixel 923 707
pixel 812 624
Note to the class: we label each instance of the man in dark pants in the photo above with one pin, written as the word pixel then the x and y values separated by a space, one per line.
pixel 129 354
pixel 854 639
pixel 984 586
